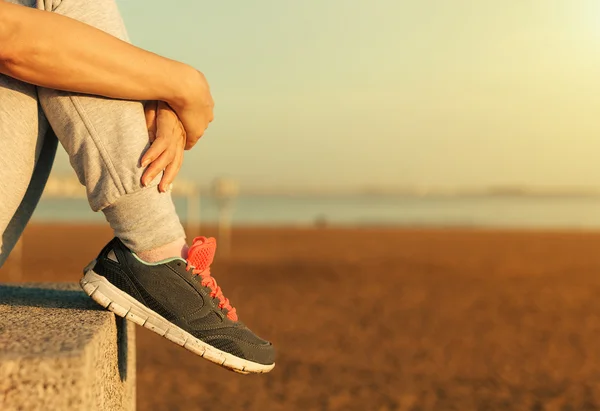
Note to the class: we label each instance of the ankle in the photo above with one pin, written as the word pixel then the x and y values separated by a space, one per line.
pixel 177 248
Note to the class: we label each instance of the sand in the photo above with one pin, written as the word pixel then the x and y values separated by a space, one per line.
pixel 377 319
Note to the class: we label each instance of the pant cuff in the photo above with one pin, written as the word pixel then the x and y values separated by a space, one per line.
pixel 145 219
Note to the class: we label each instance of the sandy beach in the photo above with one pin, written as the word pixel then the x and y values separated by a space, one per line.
pixel 377 319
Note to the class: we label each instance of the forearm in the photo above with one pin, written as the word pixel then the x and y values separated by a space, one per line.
pixel 57 52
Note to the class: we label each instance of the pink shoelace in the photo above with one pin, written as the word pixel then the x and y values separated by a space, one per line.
pixel 200 257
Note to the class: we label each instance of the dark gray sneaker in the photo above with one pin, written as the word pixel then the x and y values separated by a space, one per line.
pixel 179 300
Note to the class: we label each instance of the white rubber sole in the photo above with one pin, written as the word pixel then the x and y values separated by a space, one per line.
pixel 123 305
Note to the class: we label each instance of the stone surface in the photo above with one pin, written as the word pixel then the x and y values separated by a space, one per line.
pixel 61 351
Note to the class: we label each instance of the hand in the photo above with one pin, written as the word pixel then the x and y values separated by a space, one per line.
pixel 167 138
pixel 195 109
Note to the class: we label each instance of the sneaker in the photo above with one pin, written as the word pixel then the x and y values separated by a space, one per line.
pixel 179 300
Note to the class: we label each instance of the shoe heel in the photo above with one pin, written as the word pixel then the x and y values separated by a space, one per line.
pixel 89 267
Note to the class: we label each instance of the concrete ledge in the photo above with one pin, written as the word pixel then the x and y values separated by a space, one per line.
pixel 60 351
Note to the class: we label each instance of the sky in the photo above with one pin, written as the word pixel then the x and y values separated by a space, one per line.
pixel 388 93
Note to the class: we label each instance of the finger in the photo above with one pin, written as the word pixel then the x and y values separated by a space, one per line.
pixel 157 166
pixel 156 149
pixel 152 135
pixel 150 113
pixel 171 172
pixel 172 169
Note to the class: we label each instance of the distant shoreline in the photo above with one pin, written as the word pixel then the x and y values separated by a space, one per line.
pixel 59 185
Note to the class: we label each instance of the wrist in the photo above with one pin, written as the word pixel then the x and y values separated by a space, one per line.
pixel 183 80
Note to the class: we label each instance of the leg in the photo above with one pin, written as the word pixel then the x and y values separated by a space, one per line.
pixel 26 159
pixel 176 298
pixel 105 140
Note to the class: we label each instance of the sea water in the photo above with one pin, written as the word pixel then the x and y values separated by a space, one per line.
pixel 374 210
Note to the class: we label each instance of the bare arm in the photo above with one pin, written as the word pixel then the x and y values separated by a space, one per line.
pixel 50 50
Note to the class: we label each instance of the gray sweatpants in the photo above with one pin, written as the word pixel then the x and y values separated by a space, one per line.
pixel 104 139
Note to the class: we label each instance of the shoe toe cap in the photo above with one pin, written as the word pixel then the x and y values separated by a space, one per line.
pixel 260 353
